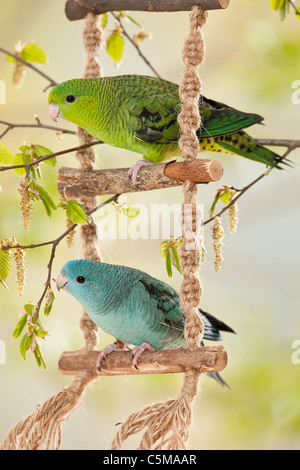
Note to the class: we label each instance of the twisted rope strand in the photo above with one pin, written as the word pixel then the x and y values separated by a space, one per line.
pixel 167 424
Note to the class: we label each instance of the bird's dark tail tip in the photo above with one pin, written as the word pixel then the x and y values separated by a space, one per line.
pixel 216 376
pixel 282 160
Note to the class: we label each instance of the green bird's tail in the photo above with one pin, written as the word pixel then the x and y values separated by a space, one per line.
pixel 242 144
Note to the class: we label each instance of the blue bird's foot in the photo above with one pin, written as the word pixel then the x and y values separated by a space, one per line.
pixel 116 346
pixel 139 350
pixel 133 172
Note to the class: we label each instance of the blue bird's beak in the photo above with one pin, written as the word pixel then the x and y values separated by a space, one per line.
pixel 61 281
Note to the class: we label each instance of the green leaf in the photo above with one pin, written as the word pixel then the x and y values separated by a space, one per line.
pixel 9 58
pixel 4 265
pixel 41 151
pixel 133 20
pixel 25 148
pixel 169 263
pixel 131 211
pixel 38 356
pixel 40 333
pixel 20 326
pixel 31 52
pixel 103 20
pixel 76 213
pixel 6 156
pixel 163 249
pixel 213 206
pixel 49 303
pixel 203 253
pixel 46 199
pixel 3 284
pixel 21 159
pixel 175 258
pixel 29 308
pixel 115 47
pixel 25 344
pixel 276 4
pixel 226 197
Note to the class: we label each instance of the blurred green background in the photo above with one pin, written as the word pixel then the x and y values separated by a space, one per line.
pixel 252 59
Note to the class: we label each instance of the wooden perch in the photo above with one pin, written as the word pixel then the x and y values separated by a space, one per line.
pixel 205 359
pixel 78 9
pixel 73 183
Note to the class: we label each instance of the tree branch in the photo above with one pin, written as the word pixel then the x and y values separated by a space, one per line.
pixel 72 182
pixel 246 188
pixel 32 67
pixel 204 359
pixel 54 244
pixel 297 10
pixel 39 125
pixel 290 143
pixel 77 10
pixel 26 166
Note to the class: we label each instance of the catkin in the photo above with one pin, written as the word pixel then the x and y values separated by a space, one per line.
pixel 70 236
pixel 233 212
pixel 26 206
pixel 20 68
pixel 217 235
pixel 19 257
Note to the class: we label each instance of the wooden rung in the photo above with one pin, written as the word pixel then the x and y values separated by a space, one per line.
pixel 76 10
pixel 204 359
pixel 73 183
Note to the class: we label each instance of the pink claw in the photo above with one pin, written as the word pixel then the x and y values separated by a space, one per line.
pixel 139 350
pixel 116 346
pixel 133 172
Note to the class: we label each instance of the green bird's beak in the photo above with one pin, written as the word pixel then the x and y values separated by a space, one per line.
pixel 54 111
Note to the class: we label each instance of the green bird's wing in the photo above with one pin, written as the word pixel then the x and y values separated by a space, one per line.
pixel 150 108
pixel 219 119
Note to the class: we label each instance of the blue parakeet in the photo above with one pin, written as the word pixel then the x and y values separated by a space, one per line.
pixel 132 306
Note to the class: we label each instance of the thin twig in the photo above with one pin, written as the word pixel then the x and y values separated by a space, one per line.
pixel 55 242
pixel 291 144
pixel 29 65
pixel 297 10
pixel 26 166
pixel 246 188
pixel 39 125
pixel 136 46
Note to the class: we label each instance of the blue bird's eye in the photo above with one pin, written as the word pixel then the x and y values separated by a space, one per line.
pixel 80 279
pixel 70 99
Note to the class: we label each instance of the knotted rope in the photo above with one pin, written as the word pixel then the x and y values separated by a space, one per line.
pixel 43 427
pixel 167 424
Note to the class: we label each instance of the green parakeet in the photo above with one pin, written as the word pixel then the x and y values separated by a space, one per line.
pixel 139 113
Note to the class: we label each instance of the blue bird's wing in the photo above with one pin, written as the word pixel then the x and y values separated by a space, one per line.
pixel 167 300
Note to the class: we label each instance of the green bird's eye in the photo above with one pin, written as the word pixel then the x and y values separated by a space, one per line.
pixel 70 99
pixel 80 279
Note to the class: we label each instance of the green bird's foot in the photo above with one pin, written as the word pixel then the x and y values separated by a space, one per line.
pixel 116 346
pixel 139 350
pixel 133 172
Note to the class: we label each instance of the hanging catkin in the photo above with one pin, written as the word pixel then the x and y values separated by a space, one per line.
pixel 43 427
pixel 166 425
